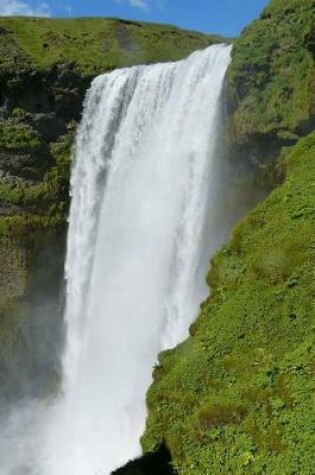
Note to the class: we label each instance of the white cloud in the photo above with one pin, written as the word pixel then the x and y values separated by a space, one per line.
pixel 139 3
pixel 144 4
pixel 68 9
pixel 19 7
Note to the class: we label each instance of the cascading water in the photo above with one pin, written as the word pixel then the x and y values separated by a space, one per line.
pixel 142 227
pixel 145 160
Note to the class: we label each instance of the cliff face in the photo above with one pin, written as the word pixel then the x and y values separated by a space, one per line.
pixel 46 67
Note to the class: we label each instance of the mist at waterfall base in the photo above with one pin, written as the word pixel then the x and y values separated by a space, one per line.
pixel 149 207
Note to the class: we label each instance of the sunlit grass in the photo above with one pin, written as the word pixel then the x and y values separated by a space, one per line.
pixel 237 396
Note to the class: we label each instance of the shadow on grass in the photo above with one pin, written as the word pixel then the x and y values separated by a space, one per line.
pixel 153 463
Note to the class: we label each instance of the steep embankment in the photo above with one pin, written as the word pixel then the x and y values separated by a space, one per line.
pixel 46 67
pixel 236 397
pixel 272 80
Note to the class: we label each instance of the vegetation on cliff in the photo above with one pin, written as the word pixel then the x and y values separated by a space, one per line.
pixel 236 396
pixel 41 204
pixel 95 45
pixel 272 78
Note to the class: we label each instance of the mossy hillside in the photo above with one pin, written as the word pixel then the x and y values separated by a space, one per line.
pixel 272 76
pixel 94 44
pixel 238 396
pixel 51 191
pixel 32 243
pixel 15 137
pixel 32 240
pixel 24 154
pixel 42 204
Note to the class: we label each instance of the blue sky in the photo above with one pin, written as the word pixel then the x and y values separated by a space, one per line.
pixel 227 17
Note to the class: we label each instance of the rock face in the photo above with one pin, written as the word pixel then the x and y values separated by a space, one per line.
pixel 46 67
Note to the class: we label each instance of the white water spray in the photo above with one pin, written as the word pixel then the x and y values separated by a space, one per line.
pixel 142 227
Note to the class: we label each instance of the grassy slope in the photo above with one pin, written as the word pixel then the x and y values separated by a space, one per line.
pixel 43 205
pixel 238 396
pixel 272 76
pixel 95 45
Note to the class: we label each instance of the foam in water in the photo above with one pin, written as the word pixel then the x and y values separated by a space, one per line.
pixel 144 197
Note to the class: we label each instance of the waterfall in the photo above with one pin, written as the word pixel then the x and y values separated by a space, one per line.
pixel 145 188
pixel 142 182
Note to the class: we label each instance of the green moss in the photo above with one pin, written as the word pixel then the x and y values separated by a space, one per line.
pixel 45 204
pixel 17 136
pixel 272 76
pixel 237 396
pixel 95 44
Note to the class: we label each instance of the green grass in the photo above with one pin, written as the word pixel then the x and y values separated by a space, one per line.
pixel 272 76
pixel 15 136
pixel 238 396
pixel 94 44
pixel 44 205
